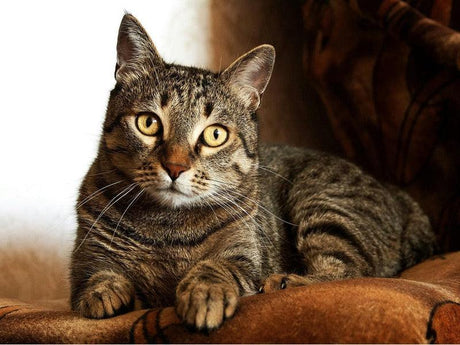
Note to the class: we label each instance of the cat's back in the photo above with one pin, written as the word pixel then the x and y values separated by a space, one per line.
pixel 288 173
pixel 282 164
pixel 303 185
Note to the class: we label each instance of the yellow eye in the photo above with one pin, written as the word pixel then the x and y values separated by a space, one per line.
pixel 148 124
pixel 215 135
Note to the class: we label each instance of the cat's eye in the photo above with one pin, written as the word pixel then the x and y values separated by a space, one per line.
pixel 214 135
pixel 148 124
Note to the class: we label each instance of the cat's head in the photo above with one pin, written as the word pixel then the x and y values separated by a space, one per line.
pixel 183 134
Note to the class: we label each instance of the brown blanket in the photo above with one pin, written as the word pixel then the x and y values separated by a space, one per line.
pixel 422 305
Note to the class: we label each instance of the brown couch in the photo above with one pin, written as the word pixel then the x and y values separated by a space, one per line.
pixel 419 306
pixel 388 80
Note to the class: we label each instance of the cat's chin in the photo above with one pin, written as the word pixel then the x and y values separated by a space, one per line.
pixel 173 198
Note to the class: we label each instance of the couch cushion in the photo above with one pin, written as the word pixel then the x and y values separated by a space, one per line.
pixel 422 305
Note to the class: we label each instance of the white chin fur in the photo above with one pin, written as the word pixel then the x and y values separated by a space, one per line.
pixel 173 199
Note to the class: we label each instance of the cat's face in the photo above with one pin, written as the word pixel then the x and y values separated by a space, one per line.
pixel 184 135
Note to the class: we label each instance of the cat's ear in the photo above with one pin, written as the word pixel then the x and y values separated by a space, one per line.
pixel 134 48
pixel 249 75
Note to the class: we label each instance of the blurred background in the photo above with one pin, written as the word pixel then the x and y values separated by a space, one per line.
pixel 58 60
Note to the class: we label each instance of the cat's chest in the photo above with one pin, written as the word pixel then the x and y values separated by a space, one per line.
pixel 165 262
pixel 156 271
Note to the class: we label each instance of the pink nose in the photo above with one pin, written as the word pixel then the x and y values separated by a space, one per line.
pixel 175 169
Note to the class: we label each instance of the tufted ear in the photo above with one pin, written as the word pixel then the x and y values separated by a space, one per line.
pixel 134 49
pixel 249 75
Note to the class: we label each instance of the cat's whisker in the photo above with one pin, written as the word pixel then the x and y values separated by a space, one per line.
pixel 264 209
pixel 95 194
pixel 232 190
pixel 263 217
pixel 265 168
pixel 221 195
pixel 124 212
pixel 115 199
pixel 103 172
pixel 112 171
pixel 256 223
pixel 220 192
pixel 212 209
pixel 251 217
pixel 261 231
pixel 227 208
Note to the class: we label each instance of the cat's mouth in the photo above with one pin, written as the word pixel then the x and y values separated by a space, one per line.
pixel 173 189
pixel 173 193
pixel 173 196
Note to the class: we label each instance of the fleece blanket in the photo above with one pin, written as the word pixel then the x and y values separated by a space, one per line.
pixel 422 305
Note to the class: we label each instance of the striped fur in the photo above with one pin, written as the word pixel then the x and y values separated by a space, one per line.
pixel 230 218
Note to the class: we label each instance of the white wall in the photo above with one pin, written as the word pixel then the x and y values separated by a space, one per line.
pixel 57 61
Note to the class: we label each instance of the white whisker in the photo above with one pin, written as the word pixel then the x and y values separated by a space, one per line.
pixel 119 221
pixel 94 194
pixel 258 204
pixel 275 173
pixel 115 199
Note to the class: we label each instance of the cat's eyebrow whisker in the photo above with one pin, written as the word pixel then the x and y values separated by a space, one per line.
pixel 115 199
pixel 94 194
pixel 124 212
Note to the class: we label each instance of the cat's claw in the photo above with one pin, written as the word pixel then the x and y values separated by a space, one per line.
pixel 106 298
pixel 205 306
pixel 277 282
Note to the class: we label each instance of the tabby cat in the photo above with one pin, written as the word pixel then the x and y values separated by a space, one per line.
pixel 183 207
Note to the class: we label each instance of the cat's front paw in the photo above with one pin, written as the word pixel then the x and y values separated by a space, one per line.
pixel 107 294
pixel 277 282
pixel 205 306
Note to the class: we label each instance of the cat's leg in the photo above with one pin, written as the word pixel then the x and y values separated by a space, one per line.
pixel 325 258
pixel 209 293
pixel 348 226
pixel 105 294
pixel 354 227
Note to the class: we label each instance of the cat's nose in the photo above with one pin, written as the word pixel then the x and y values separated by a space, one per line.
pixel 175 169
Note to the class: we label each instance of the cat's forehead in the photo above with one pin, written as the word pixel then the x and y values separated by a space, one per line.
pixel 188 90
pixel 189 84
pixel 196 77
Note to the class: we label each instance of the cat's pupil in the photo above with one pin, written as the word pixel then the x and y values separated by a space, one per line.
pixel 148 122
pixel 216 133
